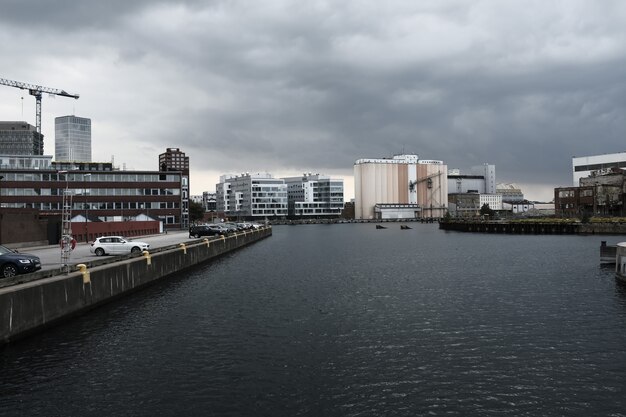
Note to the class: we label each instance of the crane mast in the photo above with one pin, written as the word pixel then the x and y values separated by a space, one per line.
pixel 37 90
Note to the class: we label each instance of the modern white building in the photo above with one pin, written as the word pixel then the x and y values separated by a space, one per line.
pixel 72 139
pixel 584 166
pixel 251 196
pixel 400 187
pixel 314 195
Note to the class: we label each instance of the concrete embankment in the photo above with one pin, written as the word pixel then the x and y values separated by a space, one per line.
pixel 32 306
pixel 535 228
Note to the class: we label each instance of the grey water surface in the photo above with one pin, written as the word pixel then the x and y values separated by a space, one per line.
pixel 346 320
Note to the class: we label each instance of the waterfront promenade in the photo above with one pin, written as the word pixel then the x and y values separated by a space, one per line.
pixel 51 255
pixel 29 303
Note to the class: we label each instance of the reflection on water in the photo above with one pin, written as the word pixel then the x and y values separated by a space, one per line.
pixel 346 320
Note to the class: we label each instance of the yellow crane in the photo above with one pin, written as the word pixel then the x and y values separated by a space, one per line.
pixel 37 91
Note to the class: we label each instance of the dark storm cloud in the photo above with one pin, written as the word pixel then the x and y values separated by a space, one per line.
pixel 291 86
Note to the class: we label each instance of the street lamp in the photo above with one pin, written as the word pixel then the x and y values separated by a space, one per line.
pixel 86 205
pixel 1 178
pixel 66 225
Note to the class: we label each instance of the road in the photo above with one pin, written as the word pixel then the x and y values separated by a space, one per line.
pixel 51 255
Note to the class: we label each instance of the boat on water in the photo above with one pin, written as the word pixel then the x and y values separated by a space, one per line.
pixel 607 253
pixel 378 226
pixel 620 262
pixel 404 227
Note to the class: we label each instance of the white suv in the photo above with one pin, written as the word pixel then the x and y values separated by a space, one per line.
pixel 117 245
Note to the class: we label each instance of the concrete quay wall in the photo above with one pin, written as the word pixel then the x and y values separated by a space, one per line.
pixel 535 228
pixel 32 306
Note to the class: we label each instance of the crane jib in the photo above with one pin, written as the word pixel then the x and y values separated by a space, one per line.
pixel 36 90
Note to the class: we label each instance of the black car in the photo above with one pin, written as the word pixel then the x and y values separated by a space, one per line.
pixel 13 263
pixel 206 230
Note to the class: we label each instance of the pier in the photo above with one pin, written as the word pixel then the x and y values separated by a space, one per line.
pixel 534 228
pixel 31 304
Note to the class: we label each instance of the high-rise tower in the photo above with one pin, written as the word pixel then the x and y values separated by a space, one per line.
pixel 72 140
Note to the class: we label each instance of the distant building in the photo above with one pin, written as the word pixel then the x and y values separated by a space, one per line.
pixel 464 204
pixel 209 201
pixel 602 193
pixel 25 161
pixel 251 196
pixel 585 166
pixel 400 187
pixel 510 193
pixel 20 138
pixel 482 180
pixel 72 139
pixel 206 200
pixel 173 159
pixel 518 207
pixel 314 196
pixel 488 172
pixel 494 201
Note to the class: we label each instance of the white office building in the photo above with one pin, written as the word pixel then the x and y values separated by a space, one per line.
pixel 251 196
pixel 314 195
pixel 72 139
pixel 584 166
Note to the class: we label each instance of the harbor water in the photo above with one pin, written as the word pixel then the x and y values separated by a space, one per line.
pixel 346 320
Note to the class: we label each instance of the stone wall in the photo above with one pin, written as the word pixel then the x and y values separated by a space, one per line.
pixel 32 306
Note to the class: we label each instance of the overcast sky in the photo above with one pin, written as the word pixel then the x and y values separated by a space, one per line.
pixel 311 86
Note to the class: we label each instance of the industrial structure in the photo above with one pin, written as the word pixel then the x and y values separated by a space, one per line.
pixel 400 187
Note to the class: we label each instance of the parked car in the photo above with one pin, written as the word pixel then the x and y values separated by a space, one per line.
pixel 207 230
pixel 117 245
pixel 231 227
pixel 13 263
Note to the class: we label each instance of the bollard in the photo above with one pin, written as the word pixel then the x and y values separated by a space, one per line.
pixel 85 272
pixel 183 247
pixel 206 240
pixel 146 255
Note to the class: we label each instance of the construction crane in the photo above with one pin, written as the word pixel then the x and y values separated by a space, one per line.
pixel 37 90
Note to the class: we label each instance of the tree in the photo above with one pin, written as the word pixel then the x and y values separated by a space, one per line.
pixel 485 210
pixel 196 211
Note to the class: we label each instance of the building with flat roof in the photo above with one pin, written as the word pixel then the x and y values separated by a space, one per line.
pixel 314 196
pixel 390 183
pixel 174 160
pixel 511 193
pixel 97 190
pixel 72 139
pixel 251 196
pixel 20 138
pixel 585 166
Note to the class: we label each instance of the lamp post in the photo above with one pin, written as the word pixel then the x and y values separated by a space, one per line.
pixel 66 225
pixel 86 206
pixel 1 178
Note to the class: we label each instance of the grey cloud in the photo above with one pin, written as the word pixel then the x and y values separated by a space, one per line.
pixel 244 85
